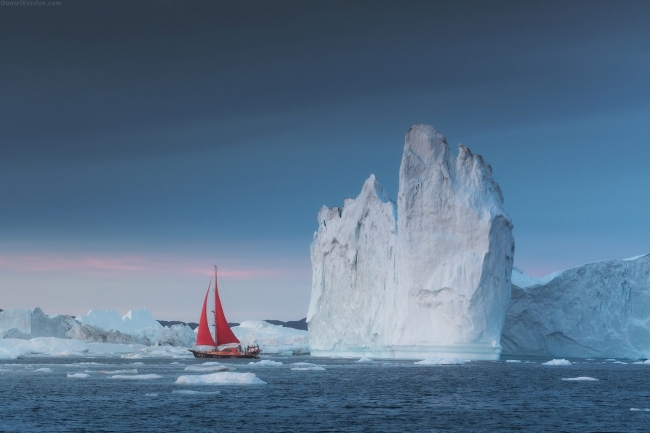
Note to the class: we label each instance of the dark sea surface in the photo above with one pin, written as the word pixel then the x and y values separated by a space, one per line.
pixel 379 396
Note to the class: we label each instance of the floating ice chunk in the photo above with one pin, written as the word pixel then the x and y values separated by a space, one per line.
pixel 132 356
pixel 44 370
pixel 136 376
pixel 175 362
pixel 222 378
pixel 513 360
pixel 137 363
pixel 557 362
pixel 151 394
pixel 365 359
pixel 647 362
pixel 190 392
pixel 315 368
pixel 580 379
pixel 636 409
pixel 272 339
pixel 201 368
pixel 441 361
pixel 266 363
pixel 619 362
pixel 78 375
pixel 134 371
pixel 303 364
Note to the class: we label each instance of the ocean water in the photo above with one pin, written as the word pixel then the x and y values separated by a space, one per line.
pixel 343 395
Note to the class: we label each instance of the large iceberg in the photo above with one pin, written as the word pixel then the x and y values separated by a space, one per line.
pixel 426 277
pixel 272 339
pixel 598 310
pixel 26 324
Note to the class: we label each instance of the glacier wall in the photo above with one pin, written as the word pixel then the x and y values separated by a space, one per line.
pixel 428 276
pixel 598 310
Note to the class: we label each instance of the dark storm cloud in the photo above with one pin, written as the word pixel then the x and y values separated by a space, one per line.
pixel 95 69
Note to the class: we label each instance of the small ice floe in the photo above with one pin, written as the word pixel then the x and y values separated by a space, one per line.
pixel 308 368
pixel 175 362
pixel 580 379
pixel 513 360
pixel 557 362
pixel 636 409
pixel 441 361
pixel 365 359
pixel 610 360
pixel 265 363
pixel 151 394
pixel 619 362
pixel 190 392
pixel 134 371
pixel 44 370
pixel 137 363
pixel 205 369
pixel 78 376
pixel 131 356
pixel 136 376
pixel 647 362
pixel 222 378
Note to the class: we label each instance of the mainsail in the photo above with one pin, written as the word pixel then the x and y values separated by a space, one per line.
pixel 223 333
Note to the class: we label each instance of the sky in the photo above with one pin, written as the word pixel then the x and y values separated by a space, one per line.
pixel 143 142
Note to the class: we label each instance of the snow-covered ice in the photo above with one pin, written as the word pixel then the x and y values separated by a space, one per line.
pixel 44 370
pixel 134 371
pixel 580 379
pixel 265 363
pixel 222 378
pixel 600 310
pixel 190 392
pixel 441 361
pixel 513 360
pixel 557 362
pixel 428 276
pixel 78 375
pixel 206 368
pixel 136 376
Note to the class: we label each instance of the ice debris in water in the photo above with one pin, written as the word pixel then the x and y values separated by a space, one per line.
pixel 513 360
pixel 557 362
pixel 137 376
pixel 151 394
pixel 441 361
pixel 212 368
pixel 636 409
pixel 365 359
pixel 580 379
pixel 134 371
pixel 222 378
pixel 78 376
pixel 316 368
pixel 44 370
pixel 266 363
pixel 190 392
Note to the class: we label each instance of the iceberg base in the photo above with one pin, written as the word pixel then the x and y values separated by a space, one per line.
pixel 473 352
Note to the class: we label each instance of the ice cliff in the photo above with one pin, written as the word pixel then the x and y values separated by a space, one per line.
pixel 428 276
pixel 598 310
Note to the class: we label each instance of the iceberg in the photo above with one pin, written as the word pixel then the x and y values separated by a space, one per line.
pixel 272 339
pixel 26 324
pixel 598 310
pixel 426 277
pixel 222 378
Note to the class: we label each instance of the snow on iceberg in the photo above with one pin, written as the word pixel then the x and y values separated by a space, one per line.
pixel 427 277
pixel 222 378
pixel 272 339
pixel 557 362
pixel 599 310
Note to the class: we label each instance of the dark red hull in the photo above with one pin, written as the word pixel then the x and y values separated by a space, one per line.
pixel 220 354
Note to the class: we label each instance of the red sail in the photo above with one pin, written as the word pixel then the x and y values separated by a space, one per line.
pixel 203 336
pixel 224 333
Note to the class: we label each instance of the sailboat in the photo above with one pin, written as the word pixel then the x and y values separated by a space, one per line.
pixel 224 344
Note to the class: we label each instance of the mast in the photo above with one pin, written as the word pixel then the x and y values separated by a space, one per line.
pixel 216 298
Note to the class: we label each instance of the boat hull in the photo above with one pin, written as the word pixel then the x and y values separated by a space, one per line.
pixel 221 354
